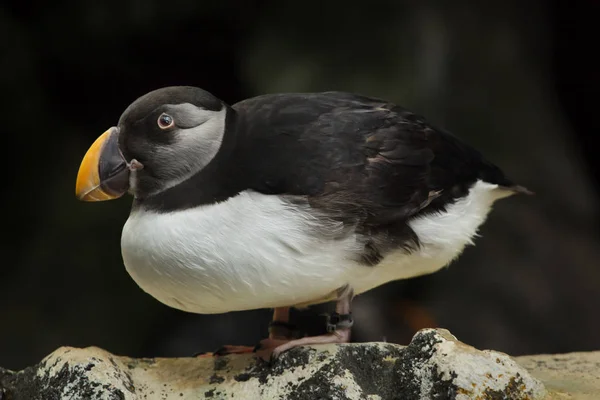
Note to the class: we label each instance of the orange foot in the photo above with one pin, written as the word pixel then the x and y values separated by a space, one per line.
pixel 226 350
pixel 270 349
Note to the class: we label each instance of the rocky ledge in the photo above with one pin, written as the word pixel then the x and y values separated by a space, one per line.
pixel 435 365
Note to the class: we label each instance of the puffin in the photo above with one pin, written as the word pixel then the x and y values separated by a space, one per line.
pixel 286 200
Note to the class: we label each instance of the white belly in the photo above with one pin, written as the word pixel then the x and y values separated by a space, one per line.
pixel 257 251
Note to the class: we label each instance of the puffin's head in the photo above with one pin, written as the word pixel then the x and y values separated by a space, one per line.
pixel 162 138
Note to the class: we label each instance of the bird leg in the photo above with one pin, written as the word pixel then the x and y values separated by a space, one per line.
pixel 280 330
pixel 339 325
pixel 280 327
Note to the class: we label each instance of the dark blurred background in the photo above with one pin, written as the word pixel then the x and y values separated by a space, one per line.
pixel 518 79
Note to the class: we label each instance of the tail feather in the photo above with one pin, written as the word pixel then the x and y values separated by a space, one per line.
pixel 514 189
pixel 520 189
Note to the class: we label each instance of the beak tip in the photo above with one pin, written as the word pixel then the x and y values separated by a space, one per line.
pixel 82 191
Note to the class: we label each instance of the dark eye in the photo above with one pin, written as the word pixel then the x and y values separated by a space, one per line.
pixel 165 121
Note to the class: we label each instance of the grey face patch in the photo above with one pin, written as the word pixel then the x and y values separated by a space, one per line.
pixel 196 139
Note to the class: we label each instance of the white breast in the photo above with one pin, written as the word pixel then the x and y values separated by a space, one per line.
pixel 251 251
pixel 259 251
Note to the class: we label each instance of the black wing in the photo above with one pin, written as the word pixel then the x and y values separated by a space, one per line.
pixel 354 156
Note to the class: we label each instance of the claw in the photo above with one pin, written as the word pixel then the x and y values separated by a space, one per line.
pixel 203 354
pixel 232 349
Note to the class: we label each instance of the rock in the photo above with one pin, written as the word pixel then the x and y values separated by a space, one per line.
pixel 567 376
pixel 435 365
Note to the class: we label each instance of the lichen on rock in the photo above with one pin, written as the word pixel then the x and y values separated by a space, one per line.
pixel 435 365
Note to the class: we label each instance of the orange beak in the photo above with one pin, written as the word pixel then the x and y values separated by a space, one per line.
pixel 103 173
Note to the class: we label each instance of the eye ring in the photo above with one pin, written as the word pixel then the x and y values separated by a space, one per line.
pixel 165 121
